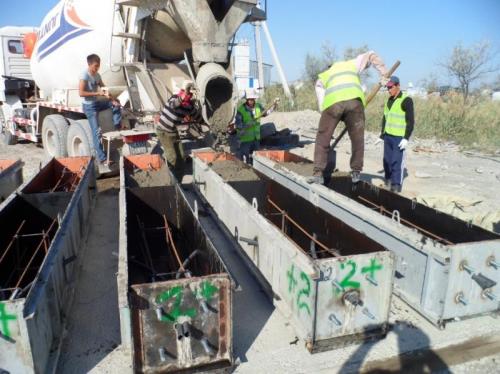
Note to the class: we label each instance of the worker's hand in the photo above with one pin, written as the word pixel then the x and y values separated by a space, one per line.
pixel 379 140
pixel 383 81
pixel 115 102
pixel 403 144
pixel 230 128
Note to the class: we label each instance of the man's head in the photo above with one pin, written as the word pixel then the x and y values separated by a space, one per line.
pixel 94 63
pixel 393 86
pixel 187 85
pixel 250 97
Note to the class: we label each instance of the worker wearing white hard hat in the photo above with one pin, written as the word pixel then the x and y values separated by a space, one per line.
pixel 248 124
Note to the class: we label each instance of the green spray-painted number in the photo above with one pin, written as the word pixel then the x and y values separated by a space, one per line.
pixel 207 290
pixel 372 268
pixel 292 282
pixel 175 312
pixel 302 292
pixel 347 282
pixel 4 321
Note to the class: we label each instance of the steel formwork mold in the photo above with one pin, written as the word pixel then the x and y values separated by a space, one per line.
pixel 42 263
pixel 11 176
pixel 332 300
pixel 446 268
pixel 174 292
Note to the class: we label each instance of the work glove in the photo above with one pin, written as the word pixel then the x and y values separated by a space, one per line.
pixel 403 144
pixel 383 81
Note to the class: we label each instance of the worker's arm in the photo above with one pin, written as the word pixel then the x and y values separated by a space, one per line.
pixel 238 121
pixel 83 93
pixel 407 106
pixel 382 130
pixel 365 60
pixel 320 93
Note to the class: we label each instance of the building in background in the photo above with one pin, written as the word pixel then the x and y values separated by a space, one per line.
pixel 246 71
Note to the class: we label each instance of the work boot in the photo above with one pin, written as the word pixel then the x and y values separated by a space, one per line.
pixel 356 176
pixel 316 179
pixel 396 188
pixel 387 183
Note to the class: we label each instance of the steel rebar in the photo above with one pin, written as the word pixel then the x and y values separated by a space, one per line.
pixel 291 220
pixel 34 254
pixel 168 238
pixel 12 240
pixel 59 180
pixel 385 210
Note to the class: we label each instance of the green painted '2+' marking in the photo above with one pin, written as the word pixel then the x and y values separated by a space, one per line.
pixel 176 311
pixel 4 321
pixel 207 290
pixel 292 282
pixel 347 282
pixel 372 268
pixel 303 292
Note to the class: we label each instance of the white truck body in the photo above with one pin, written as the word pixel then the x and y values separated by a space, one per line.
pixel 148 48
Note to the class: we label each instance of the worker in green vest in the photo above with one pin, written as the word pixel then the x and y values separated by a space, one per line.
pixel 248 125
pixel 341 98
pixel 397 125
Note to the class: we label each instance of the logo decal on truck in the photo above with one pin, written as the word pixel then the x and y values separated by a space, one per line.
pixel 70 26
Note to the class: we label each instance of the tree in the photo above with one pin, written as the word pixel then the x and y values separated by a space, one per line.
pixel 316 64
pixel 353 52
pixel 430 83
pixel 468 64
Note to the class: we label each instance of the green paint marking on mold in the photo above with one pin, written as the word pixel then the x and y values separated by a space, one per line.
pixel 4 321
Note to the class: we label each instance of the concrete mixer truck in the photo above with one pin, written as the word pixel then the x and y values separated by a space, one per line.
pixel 148 48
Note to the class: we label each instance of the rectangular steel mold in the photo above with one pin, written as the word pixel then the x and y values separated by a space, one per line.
pixel 11 177
pixel 174 291
pixel 43 224
pixel 330 280
pixel 446 268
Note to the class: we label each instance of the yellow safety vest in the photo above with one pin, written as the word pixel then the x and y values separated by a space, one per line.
pixel 395 118
pixel 251 129
pixel 341 82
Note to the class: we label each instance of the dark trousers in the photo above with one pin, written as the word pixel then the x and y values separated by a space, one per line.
pixel 352 113
pixel 173 152
pixel 393 159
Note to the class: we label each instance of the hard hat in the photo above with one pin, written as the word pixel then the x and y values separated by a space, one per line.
pixel 250 93
pixel 187 84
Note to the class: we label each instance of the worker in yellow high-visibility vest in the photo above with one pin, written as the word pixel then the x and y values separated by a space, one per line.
pixel 397 125
pixel 341 98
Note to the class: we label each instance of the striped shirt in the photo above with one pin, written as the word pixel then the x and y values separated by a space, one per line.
pixel 173 115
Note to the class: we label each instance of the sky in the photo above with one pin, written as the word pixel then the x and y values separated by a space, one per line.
pixel 418 33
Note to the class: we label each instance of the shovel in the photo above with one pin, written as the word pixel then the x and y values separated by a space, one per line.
pixel 332 154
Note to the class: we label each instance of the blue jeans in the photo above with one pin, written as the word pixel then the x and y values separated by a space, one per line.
pixel 91 110
pixel 393 159
pixel 246 150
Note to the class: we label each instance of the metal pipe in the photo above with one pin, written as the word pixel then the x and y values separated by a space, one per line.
pixel 206 346
pixel 258 52
pixel 278 63
pixel 302 229
pixel 253 242
pixel 186 261
pixel 384 210
pixel 12 240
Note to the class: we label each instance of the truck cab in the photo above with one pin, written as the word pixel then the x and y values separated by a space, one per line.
pixel 16 82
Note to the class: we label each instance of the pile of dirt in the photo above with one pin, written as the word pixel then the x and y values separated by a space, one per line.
pixel 232 171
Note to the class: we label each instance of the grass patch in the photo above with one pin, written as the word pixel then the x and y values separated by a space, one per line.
pixel 473 125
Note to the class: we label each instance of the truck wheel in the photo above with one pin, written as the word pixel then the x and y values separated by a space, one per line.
pixel 6 136
pixel 79 141
pixel 54 135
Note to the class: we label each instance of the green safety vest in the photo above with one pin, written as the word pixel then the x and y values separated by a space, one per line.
pixel 251 129
pixel 395 119
pixel 341 82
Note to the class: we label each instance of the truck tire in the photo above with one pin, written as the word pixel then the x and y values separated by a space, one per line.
pixel 54 135
pixel 6 136
pixel 79 140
